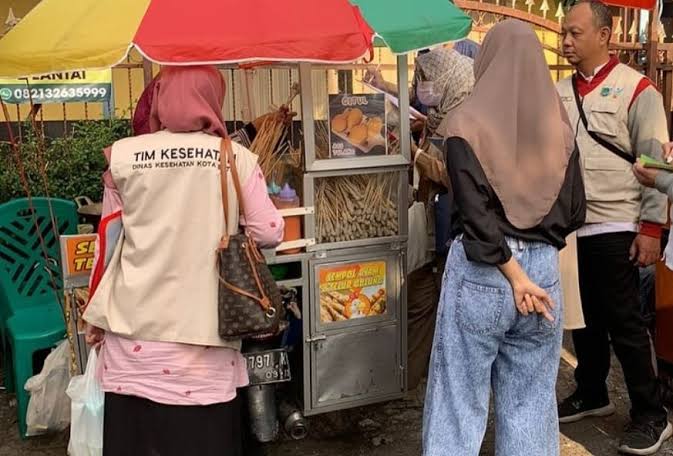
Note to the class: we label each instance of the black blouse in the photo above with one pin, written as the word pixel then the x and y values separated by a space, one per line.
pixel 478 215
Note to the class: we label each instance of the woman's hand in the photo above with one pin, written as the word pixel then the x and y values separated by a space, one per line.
pixel 375 78
pixel 528 297
pixel 94 336
pixel 417 125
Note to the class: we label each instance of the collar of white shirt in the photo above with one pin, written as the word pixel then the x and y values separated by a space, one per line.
pixel 595 72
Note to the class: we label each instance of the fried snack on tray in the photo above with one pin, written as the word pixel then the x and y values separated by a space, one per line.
pixel 336 316
pixel 354 117
pixel 325 315
pixel 358 134
pixel 378 303
pixel 374 126
pixel 339 123
pixel 340 297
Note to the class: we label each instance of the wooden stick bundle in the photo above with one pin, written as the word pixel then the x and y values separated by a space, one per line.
pixel 321 140
pixel 356 207
pixel 271 142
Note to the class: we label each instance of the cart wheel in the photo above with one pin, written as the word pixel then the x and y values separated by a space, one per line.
pixel 298 430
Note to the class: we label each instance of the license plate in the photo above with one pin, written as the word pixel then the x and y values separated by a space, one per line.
pixel 272 366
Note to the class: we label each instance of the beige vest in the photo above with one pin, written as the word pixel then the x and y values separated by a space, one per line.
pixel 613 193
pixel 573 316
pixel 162 281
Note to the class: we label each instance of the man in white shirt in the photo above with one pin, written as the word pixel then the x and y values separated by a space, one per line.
pixel 619 115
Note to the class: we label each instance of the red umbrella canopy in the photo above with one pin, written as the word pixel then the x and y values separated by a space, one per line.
pixel 642 4
pixel 217 31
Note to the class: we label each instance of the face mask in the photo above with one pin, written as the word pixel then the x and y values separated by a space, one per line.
pixel 425 92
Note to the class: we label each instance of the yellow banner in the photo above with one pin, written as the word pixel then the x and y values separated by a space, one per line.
pixel 64 87
pixel 67 77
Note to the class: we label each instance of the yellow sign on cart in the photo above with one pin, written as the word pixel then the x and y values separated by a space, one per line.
pixel 353 290
pixel 77 254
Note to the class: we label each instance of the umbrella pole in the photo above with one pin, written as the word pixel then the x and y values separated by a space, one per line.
pixel 147 72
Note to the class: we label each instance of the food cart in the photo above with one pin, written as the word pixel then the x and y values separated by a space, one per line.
pixel 352 170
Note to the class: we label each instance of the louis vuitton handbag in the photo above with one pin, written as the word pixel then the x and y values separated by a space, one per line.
pixel 249 301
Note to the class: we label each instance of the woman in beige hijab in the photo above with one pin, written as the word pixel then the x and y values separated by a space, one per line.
pixel 514 170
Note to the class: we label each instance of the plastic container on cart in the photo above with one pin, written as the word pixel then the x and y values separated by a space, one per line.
pixel 273 189
pixel 287 199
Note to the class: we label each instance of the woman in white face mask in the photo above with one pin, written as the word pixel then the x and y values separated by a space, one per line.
pixel 443 79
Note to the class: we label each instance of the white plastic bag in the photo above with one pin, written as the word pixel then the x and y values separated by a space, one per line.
pixel 417 245
pixel 49 406
pixel 88 399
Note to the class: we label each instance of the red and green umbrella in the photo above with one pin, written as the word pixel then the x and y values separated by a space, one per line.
pixel 404 25
pixel 67 35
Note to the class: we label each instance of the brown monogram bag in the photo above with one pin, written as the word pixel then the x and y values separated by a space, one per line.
pixel 249 301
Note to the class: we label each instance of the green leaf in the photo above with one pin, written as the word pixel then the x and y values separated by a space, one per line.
pixel 74 162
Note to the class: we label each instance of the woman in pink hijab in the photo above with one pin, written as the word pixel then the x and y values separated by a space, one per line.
pixel 141 116
pixel 170 382
pixel 245 136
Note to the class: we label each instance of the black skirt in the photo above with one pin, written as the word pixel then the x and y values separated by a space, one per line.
pixel 139 427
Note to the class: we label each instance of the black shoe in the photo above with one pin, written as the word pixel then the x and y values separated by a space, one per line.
pixel 645 438
pixel 576 408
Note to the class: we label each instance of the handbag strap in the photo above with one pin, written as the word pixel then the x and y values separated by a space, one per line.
pixel 605 144
pixel 252 254
pixel 227 156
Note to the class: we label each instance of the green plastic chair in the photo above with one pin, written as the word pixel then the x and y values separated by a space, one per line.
pixel 31 318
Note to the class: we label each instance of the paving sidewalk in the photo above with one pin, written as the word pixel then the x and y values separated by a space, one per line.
pixel 391 429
